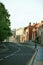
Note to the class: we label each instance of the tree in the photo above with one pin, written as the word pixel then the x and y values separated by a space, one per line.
pixel 5 30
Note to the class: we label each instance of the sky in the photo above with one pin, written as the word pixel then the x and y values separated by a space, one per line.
pixel 24 11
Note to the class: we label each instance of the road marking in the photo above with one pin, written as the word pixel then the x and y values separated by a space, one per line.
pixel 1 59
pixel 9 55
pixel 12 54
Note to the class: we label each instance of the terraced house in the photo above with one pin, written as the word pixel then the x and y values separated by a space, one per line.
pixel 31 32
pixel 37 32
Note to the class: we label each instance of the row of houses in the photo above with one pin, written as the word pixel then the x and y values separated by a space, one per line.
pixel 31 32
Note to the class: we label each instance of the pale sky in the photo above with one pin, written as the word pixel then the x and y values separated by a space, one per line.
pixel 24 11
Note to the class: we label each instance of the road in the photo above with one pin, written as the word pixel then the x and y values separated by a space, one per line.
pixel 17 55
pixel 39 57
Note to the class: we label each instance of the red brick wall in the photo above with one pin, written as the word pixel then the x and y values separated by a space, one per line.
pixel 29 32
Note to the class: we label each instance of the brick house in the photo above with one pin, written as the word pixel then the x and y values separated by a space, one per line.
pixel 31 31
pixel 35 30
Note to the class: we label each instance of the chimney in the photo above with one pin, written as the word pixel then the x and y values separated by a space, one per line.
pixel 29 23
pixel 41 21
pixel 33 23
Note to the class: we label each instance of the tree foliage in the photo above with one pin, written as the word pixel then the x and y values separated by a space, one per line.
pixel 5 30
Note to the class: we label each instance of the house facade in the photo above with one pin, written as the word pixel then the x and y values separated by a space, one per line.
pixel 37 32
pixel 34 31
pixel 21 34
pixel 29 33
pixel 40 33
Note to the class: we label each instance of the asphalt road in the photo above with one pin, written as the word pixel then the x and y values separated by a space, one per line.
pixel 16 55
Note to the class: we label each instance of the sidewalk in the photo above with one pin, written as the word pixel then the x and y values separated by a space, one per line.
pixel 39 58
pixel 39 63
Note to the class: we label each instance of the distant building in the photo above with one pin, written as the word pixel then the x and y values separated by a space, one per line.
pixel 26 33
pixel 19 31
pixel 31 32
pixel 21 34
pixel 12 38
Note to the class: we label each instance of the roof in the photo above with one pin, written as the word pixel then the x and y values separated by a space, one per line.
pixel 35 26
pixel 25 28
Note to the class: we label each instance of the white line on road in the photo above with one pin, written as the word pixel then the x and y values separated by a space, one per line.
pixel 7 56
pixel 14 52
pixel 10 55
pixel 1 59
